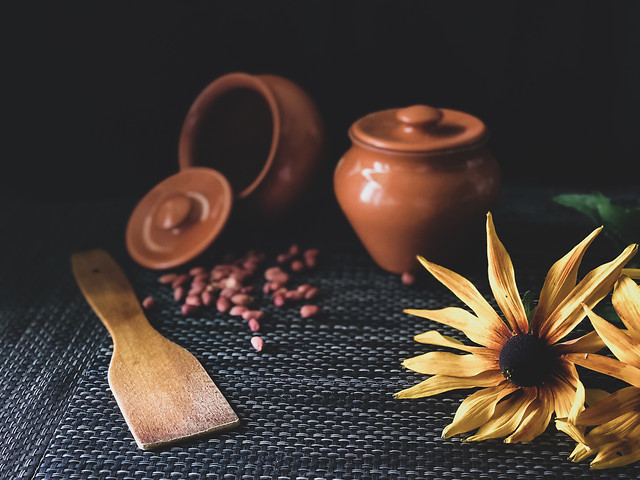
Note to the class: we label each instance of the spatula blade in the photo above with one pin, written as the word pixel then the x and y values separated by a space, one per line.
pixel 168 397
pixel 164 393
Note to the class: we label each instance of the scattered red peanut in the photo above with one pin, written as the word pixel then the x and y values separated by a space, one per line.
pixel 283 258
pixel 218 275
pixel 224 285
pixel 207 298
pixel 167 278
pixel 241 299
pixel 311 252
pixel 228 292
pixel 257 343
pixel 148 303
pixel 297 266
pixel 294 295
pixel 255 314
pixel 309 311
pixel 179 280
pixel 311 293
pixel 237 310
pixel 311 257
pixel 280 291
pixel 193 300
pixel 275 274
pixel 178 294
pixel 201 278
pixel 187 309
pixel 279 300
pixel 223 304
pixel 250 265
pixel 197 271
pixel 197 289
pixel 230 283
pixel 408 278
pixel 254 326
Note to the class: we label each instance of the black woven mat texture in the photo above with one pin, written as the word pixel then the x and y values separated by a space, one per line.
pixel 315 403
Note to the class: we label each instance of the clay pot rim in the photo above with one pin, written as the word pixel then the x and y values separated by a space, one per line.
pixel 421 153
pixel 206 99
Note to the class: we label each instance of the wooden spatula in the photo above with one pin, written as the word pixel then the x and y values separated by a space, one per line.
pixel 163 392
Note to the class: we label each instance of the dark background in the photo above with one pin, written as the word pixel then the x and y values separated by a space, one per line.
pixel 96 92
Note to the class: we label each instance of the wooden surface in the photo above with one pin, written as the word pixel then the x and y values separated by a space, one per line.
pixel 163 392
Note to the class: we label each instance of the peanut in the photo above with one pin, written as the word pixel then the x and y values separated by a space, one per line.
pixel 309 310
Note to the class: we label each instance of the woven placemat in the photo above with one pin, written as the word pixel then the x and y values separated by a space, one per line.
pixel 315 403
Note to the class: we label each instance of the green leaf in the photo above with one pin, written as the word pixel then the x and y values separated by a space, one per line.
pixel 621 224
pixel 528 304
pixel 586 204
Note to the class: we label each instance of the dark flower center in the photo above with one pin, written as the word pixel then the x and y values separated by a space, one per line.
pixel 526 360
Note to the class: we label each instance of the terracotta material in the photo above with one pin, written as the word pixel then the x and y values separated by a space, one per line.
pixel 262 132
pixel 179 218
pixel 414 181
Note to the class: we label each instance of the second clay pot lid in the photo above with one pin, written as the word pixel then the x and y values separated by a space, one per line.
pixel 179 218
pixel 419 128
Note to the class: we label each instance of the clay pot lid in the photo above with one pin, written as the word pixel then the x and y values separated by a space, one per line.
pixel 419 128
pixel 179 218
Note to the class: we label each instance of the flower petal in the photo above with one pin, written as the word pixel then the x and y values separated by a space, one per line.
pixel 503 282
pixel 568 424
pixel 589 343
pixel 464 321
pixel 433 337
pixel 507 416
pixel 581 452
pixel 616 442
pixel 632 273
pixel 626 301
pixel 441 383
pixel 625 399
pixel 535 419
pixel 477 409
pixel 620 428
pixel 445 363
pixel 560 280
pixel 594 395
pixel 467 292
pixel 593 288
pixel 606 365
pixel 625 348
pixel 563 386
pixel 613 457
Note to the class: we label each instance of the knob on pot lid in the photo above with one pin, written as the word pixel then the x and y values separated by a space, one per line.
pixel 179 218
pixel 419 128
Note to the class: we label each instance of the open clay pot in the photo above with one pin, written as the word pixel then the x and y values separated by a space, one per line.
pixel 249 147
pixel 415 182
pixel 262 132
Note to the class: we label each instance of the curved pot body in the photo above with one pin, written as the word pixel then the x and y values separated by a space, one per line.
pixel 262 132
pixel 406 204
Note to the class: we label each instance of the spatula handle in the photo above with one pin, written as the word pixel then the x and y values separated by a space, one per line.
pixel 107 290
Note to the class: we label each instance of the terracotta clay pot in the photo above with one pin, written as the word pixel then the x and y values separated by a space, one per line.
pixel 414 181
pixel 262 132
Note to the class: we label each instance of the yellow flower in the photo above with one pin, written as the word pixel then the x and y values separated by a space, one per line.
pixel 518 364
pixel 615 438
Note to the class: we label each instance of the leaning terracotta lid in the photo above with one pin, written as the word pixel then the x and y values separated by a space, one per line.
pixel 419 128
pixel 179 218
